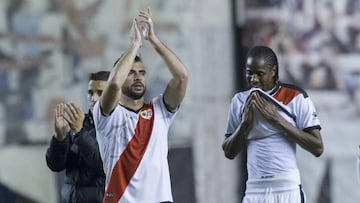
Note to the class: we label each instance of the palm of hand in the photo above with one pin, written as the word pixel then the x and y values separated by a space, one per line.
pixel 135 34
pixel 61 125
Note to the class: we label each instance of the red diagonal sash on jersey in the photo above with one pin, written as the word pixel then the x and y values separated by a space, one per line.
pixel 131 157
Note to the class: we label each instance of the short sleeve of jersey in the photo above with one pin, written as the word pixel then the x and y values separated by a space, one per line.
pixel 103 123
pixel 306 115
pixel 234 115
pixel 166 114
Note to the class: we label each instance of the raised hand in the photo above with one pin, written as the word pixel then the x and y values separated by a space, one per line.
pixel 135 35
pixel 74 116
pixel 146 23
pixel 61 126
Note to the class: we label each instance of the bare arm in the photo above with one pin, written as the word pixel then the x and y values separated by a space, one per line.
pixel 112 91
pixel 236 142
pixel 310 139
pixel 176 88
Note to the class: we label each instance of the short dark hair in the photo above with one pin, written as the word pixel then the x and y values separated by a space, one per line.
pixel 101 75
pixel 268 54
pixel 137 59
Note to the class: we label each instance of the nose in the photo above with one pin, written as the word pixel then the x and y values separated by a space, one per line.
pixel 94 98
pixel 253 78
pixel 138 77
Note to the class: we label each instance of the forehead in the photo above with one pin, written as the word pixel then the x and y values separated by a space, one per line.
pixel 96 85
pixel 138 66
pixel 255 63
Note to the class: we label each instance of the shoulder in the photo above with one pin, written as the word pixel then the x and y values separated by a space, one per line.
pixel 291 88
pixel 241 95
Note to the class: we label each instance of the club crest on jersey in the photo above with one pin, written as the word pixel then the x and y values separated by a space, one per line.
pixel 146 114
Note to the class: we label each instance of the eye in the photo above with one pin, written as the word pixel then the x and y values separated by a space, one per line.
pixel 143 72
pixel 99 92
pixel 132 72
pixel 248 72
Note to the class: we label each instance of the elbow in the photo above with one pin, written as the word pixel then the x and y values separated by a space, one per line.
pixel 183 76
pixel 53 163
pixel 318 152
pixel 229 156
pixel 227 152
pixel 54 167
pixel 114 87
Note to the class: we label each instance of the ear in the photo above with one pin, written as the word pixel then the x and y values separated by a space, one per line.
pixel 273 71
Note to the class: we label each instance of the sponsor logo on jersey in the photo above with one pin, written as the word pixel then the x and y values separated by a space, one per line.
pixel 266 176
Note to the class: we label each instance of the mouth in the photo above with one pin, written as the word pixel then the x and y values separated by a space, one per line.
pixel 256 85
pixel 138 86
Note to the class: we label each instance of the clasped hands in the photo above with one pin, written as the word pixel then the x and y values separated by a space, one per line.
pixel 258 102
pixel 68 117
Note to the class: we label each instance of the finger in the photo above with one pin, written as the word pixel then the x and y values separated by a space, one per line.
pixel 60 110
pixel 136 26
pixel 68 113
pixel 145 14
pixel 256 104
pixel 72 109
pixel 148 10
pixel 133 26
pixel 78 110
pixel 68 118
pixel 57 111
pixel 258 99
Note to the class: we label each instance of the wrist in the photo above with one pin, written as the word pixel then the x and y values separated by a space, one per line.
pixel 59 137
pixel 136 45
pixel 155 41
pixel 76 130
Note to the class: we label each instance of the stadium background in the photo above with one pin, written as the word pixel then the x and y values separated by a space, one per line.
pixel 48 47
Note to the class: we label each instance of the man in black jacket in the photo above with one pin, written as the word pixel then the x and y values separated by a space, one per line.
pixel 74 148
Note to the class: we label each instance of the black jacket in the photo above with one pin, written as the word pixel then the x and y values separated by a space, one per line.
pixel 79 156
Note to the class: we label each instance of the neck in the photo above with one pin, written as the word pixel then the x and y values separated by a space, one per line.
pixel 134 104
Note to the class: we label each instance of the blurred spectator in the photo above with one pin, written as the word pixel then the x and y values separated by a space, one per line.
pixel 77 44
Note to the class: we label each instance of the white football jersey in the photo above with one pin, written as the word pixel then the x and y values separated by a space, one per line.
pixel 269 151
pixel 134 149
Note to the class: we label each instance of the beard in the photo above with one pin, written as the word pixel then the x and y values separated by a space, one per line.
pixel 132 94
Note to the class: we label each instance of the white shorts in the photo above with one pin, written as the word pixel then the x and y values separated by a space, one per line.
pixel 279 188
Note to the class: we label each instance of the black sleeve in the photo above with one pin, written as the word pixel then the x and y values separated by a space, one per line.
pixel 56 154
pixel 89 149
